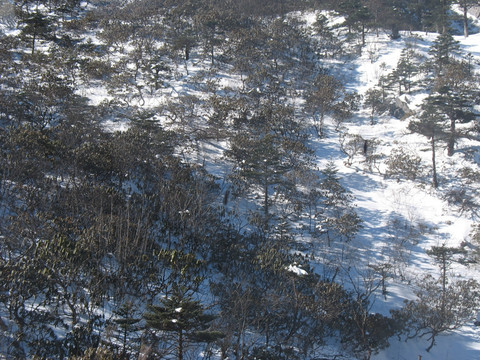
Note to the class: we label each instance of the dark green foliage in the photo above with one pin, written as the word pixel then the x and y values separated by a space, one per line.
pixel 345 109
pixel 454 94
pixel 475 239
pixel 335 216
pixel 325 96
pixel 443 50
pixel 432 125
pixel 449 103
pixel 184 317
pixel 368 333
pixel 27 152
pixel 297 311
pixel 127 323
pixel 328 43
pixel 76 238
pixel 261 162
pixel 357 15
pixel 178 315
pixel 375 100
pixel 83 337
pixel 36 25
pixel 466 5
pixel 407 68
pixel 95 219
pixel 268 154
pixel 394 15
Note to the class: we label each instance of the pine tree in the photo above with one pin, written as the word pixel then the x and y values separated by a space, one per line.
pixel 126 322
pixel 321 100
pixel 454 94
pixel 375 100
pixel 444 256
pixel 407 67
pixel 356 16
pixel 268 154
pixel 327 41
pixel 431 124
pixel 261 161
pixel 466 5
pixel 36 25
pixel 443 50
pixel 336 216
pixel 185 318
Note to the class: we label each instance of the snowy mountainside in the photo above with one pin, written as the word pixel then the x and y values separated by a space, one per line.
pixel 384 204
pixel 198 155
pixel 379 200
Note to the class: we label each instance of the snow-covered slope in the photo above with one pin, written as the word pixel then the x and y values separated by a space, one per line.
pixel 380 200
pixel 402 218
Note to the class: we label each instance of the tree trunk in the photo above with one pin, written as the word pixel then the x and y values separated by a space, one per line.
pixel 451 138
pixel 444 285
pixel 434 164
pixel 445 8
pixel 212 57
pixel 432 342
pixel 33 42
pixel 363 35
pixel 465 20
pixel 265 201
pixel 180 345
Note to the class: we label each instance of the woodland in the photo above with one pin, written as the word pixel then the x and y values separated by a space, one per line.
pixel 160 193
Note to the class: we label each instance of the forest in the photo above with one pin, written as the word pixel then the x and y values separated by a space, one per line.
pixel 162 192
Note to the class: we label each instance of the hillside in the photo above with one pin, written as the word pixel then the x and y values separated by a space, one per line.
pixel 233 180
pixel 405 203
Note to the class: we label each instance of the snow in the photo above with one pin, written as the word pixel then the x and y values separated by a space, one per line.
pixel 296 270
pixel 378 200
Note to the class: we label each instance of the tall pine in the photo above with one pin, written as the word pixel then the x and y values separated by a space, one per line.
pixel 183 317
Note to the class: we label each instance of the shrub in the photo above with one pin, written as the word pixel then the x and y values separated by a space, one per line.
pixel 401 165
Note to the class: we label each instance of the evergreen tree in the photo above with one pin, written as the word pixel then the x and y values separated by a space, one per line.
pixel 127 323
pixel 261 161
pixel 432 125
pixel 454 94
pixel 374 100
pixel 407 67
pixel 443 50
pixel 442 15
pixel 323 98
pixel 327 43
pixel 268 154
pixel 444 256
pixel 357 16
pixel 36 25
pixel 185 318
pixel 466 5
pixel 335 215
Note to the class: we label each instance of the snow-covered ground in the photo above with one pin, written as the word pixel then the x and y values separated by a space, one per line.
pixel 379 199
